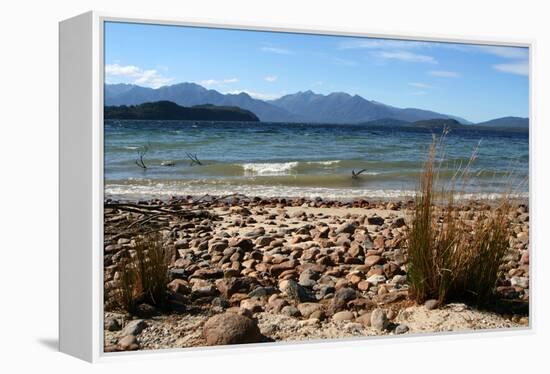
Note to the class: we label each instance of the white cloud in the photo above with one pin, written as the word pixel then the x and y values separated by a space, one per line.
pixel 135 75
pixel 257 95
pixel 116 69
pixel 405 56
pixel 381 44
pixel 216 82
pixel 402 50
pixel 391 49
pixel 279 51
pixel 270 78
pixel 519 56
pixel 444 74
pixel 519 68
pixel 209 82
pixel 396 44
pixel 420 85
pixel 264 96
pixel 505 52
pixel 419 93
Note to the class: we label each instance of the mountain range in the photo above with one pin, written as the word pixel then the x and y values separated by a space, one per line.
pixel 340 107
pixel 307 106
pixel 191 94
pixel 507 122
pixel 337 107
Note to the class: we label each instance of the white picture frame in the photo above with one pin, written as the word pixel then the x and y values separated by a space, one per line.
pixel 81 82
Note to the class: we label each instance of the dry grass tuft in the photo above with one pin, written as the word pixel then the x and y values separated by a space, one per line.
pixel 144 276
pixel 452 257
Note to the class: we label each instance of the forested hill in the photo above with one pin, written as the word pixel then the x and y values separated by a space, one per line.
pixel 167 110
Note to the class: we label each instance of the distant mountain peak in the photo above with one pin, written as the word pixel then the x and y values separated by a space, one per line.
pixel 302 106
pixel 188 85
pixel 338 95
pixel 308 93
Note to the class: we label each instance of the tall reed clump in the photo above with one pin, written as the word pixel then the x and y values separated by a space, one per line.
pixel 452 257
pixel 144 276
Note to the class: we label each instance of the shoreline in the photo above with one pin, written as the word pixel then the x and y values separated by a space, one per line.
pixel 300 268
pixel 359 201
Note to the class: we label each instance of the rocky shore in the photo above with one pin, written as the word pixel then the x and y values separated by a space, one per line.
pixel 246 270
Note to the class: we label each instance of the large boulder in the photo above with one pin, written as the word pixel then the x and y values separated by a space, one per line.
pixel 231 328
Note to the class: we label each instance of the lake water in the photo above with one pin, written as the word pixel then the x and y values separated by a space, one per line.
pixel 301 160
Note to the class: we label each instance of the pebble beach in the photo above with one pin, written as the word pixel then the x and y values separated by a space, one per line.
pixel 253 270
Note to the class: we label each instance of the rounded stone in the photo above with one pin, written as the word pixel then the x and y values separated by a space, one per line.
pixel 431 304
pixel 290 311
pixel 378 319
pixel 306 309
pixel 112 324
pixel 128 343
pixel 344 315
pixel 230 328
pixel 401 329
pixel 134 327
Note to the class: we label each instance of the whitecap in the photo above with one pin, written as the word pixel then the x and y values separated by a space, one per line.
pixel 329 162
pixel 269 169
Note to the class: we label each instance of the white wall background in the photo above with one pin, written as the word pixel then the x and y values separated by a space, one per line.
pixel 28 160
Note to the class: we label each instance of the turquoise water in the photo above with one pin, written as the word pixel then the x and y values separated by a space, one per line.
pixel 301 160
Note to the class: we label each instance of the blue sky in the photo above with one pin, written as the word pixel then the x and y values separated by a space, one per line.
pixel 472 81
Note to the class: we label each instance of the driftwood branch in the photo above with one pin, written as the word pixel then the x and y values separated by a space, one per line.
pixel 152 217
pixel 187 213
pixel 194 159
pixel 141 153
pixel 355 174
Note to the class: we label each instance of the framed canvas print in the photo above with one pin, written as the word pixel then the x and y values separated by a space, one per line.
pixel 231 184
